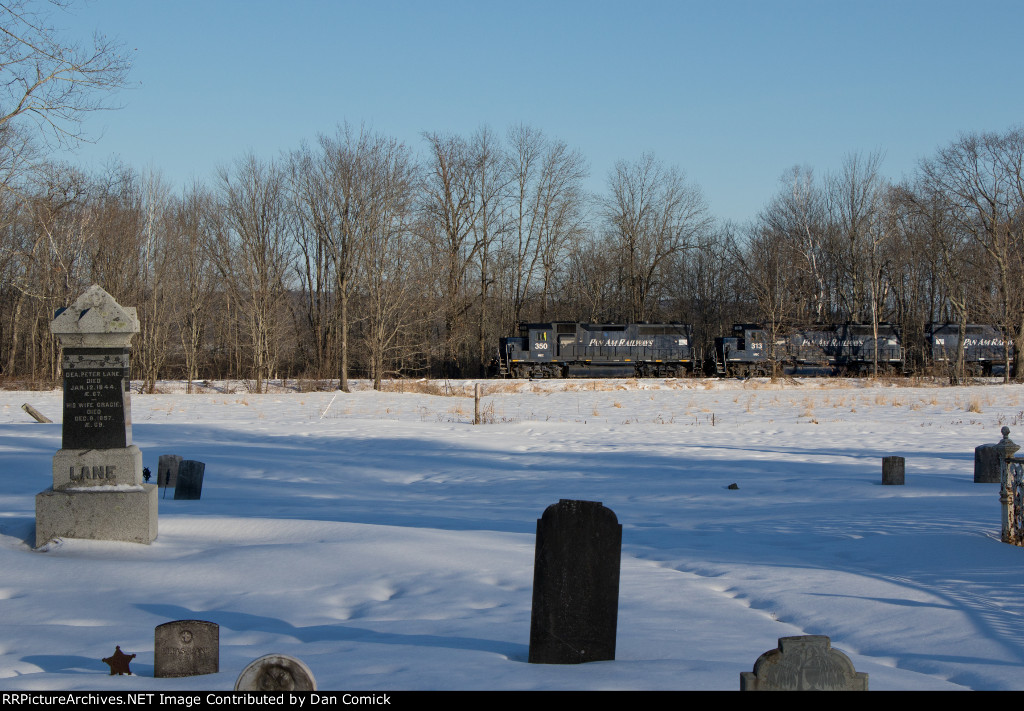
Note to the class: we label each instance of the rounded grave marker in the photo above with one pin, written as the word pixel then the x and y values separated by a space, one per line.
pixel 186 648
pixel 276 672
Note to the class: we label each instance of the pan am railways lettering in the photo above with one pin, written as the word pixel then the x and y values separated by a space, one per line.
pixel 620 343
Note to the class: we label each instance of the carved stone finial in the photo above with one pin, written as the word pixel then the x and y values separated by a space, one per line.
pixel 95 320
pixel 1006 446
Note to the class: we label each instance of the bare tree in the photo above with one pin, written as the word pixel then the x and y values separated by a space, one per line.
pixel 859 206
pixel 764 259
pixel 547 214
pixel 51 79
pixel 938 255
pixel 797 216
pixel 51 251
pixel 389 266
pixel 980 177
pixel 651 214
pixel 252 252
pixel 491 182
pixel 341 200
pixel 193 230
pixel 449 205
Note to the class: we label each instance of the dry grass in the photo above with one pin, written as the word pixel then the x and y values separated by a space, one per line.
pixel 808 407
pixel 501 387
pixel 441 388
pixel 314 386
pixel 974 405
pixel 487 415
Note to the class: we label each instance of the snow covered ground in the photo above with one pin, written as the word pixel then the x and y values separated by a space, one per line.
pixel 388 542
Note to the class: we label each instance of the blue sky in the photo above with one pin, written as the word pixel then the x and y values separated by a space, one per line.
pixel 733 93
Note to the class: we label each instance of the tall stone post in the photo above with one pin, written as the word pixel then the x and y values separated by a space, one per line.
pixel 575 584
pixel 1006 449
pixel 97 491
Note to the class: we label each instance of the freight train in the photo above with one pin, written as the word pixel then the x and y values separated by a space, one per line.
pixel 985 350
pixel 566 349
pixel 846 349
pixel 850 349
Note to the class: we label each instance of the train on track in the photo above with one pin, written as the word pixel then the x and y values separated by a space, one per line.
pixel 846 349
pixel 568 349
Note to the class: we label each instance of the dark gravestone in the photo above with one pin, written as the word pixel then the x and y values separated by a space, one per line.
pixel 806 663
pixel 986 464
pixel 167 470
pixel 276 672
pixel 892 470
pixel 575 584
pixel 97 403
pixel 186 648
pixel 190 480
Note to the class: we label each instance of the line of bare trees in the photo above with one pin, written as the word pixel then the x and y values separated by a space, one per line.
pixel 946 245
pixel 354 256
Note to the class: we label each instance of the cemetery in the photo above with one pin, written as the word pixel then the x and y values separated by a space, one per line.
pixel 665 534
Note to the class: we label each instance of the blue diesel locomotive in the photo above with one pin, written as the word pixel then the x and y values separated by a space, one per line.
pixel 567 349
pixel 986 352
pixel 846 349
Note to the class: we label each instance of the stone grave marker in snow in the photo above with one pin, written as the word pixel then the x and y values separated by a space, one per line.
pixel 97 491
pixel 190 480
pixel 892 470
pixel 167 470
pixel 186 648
pixel 276 672
pixel 986 464
pixel 575 584
pixel 806 663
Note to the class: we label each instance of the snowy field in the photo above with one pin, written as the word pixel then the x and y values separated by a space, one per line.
pixel 388 542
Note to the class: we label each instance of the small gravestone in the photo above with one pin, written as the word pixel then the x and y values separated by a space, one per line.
pixel 167 470
pixel 186 648
pixel 190 480
pixel 97 490
pixel 806 663
pixel 575 584
pixel 119 662
pixel 892 470
pixel 986 464
pixel 276 672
